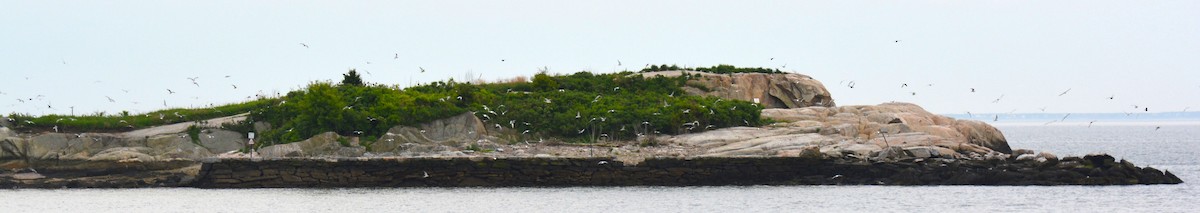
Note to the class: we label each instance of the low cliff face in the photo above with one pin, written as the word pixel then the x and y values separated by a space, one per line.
pixel 771 90
pixel 445 137
pixel 115 147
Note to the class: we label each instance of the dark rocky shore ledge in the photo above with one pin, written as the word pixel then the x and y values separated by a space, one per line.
pixel 500 172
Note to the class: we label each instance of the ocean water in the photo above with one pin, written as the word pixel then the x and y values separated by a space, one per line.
pixel 1173 147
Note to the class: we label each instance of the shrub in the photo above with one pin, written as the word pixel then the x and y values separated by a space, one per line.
pixel 193 132
pixel 243 126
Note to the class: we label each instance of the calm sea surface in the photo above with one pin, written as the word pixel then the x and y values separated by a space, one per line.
pixel 1174 147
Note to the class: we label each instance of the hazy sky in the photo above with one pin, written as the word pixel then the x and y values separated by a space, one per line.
pixel 75 53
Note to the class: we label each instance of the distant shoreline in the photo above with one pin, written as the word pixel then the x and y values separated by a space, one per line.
pixel 1100 123
pixel 1096 119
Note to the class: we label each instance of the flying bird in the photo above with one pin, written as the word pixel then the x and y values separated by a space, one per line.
pixel 1090 123
pixel 1110 97
pixel 422 69
pixel 1064 92
pixel 972 89
pixel 397 56
pixel 998 99
pixel 303 44
pixel 170 92
pixel 618 62
pixel 1065 117
pixel 110 99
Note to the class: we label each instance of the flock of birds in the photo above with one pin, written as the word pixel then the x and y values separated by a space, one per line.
pixel 195 81
pixel 996 117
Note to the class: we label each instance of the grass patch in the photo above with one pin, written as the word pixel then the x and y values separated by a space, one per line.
pixel 124 121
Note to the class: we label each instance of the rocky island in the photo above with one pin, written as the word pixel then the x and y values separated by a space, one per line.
pixel 550 131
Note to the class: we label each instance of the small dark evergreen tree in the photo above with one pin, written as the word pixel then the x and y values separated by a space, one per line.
pixel 352 78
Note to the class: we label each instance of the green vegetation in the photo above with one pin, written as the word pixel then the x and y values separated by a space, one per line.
pixel 719 69
pixel 102 122
pixel 616 106
pixel 351 110
pixel 193 132
pixel 581 107
pixel 243 126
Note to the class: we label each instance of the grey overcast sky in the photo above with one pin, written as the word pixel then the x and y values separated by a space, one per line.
pixel 64 54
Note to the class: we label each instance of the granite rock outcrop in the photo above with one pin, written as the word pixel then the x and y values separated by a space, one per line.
pixel 770 90
pixel 889 131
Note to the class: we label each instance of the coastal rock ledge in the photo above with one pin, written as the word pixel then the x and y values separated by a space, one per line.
pixel 701 171
pixel 550 171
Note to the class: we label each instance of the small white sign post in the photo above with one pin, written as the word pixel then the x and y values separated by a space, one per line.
pixel 251 136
